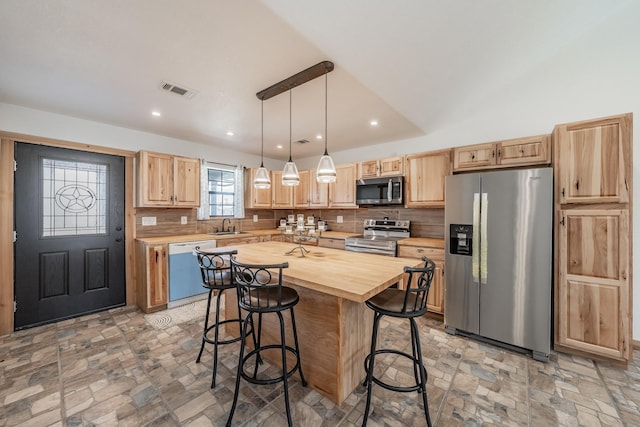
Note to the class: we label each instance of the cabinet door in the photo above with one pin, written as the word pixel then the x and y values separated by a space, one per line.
pixel 186 182
pixel 342 193
pixel 282 195
pixel 301 191
pixel 593 297
pixel 255 197
pixel 318 192
pixel 435 299
pixel 471 157
pixel 368 169
pixel 425 175
pixel 392 166
pixel 525 151
pixel 155 179
pixel 157 276
pixel 594 160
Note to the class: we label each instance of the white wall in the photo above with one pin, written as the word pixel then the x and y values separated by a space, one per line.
pixel 597 76
pixel 48 125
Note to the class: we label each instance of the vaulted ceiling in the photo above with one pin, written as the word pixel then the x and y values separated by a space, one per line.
pixel 412 65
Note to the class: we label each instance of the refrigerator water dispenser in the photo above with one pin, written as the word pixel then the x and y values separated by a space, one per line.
pixel 460 239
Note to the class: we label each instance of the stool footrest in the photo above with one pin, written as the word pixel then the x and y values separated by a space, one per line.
pixel 206 339
pixel 401 389
pixel 275 380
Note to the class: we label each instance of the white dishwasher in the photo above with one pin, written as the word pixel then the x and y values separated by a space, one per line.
pixel 185 281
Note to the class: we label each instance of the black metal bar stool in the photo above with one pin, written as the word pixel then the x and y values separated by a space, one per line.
pixel 260 291
pixel 406 304
pixel 215 267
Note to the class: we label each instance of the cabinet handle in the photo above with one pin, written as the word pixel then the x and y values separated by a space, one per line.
pixel 473 157
pixel 562 221
pixel 156 256
pixel 493 153
pixel 499 153
pixel 562 191
pixel 577 185
pixel 420 251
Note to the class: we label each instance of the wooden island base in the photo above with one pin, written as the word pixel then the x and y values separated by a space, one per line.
pixel 334 335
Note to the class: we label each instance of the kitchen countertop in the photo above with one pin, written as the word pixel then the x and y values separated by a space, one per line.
pixel 337 234
pixel 181 238
pixel 422 242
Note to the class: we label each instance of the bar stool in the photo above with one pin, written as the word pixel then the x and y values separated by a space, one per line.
pixel 260 291
pixel 406 304
pixel 215 268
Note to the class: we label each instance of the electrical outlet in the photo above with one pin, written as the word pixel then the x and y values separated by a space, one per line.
pixel 339 219
pixel 255 218
pixel 183 220
pixel 148 220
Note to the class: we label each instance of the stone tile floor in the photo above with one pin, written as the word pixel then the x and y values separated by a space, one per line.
pixel 114 368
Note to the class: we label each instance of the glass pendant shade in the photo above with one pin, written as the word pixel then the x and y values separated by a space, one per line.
pixel 290 174
pixel 262 179
pixel 326 170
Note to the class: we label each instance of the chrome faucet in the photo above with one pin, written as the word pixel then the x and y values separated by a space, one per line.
pixel 226 219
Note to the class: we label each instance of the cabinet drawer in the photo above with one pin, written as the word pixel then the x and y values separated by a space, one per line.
pixel 418 252
pixel 326 242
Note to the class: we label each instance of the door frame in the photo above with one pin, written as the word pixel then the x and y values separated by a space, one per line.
pixel 7 155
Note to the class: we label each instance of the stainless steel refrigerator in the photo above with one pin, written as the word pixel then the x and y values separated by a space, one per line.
pixel 498 257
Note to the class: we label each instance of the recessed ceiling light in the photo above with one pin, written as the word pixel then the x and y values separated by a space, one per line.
pixel 318 136
pixel 155 113
pixel 229 133
pixel 279 146
pixel 373 123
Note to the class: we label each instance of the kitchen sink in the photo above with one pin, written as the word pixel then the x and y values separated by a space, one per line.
pixel 228 233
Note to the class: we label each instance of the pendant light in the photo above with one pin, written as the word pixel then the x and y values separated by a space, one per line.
pixel 290 176
pixel 262 179
pixel 326 170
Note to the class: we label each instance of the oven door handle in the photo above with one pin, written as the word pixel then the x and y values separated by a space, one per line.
pixel 369 250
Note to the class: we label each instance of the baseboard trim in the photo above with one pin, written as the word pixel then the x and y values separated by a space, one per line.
pixel 636 344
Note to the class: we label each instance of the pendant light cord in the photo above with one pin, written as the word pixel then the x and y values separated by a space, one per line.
pixel 290 125
pixel 326 153
pixel 262 133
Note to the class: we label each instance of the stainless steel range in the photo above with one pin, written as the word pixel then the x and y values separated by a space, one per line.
pixel 380 236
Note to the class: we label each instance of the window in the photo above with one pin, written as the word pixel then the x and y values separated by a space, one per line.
pixel 221 192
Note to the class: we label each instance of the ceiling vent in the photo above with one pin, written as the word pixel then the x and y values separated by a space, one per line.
pixel 178 89
pixel 302 141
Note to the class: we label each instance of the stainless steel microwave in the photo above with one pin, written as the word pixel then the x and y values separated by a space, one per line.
pixel 380 191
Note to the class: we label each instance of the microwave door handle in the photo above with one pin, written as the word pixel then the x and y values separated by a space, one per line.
pixel 389 191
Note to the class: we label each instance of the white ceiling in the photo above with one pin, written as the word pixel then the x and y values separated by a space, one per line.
pixel 413 65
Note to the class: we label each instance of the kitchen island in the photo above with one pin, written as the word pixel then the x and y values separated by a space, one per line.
pixel 334 326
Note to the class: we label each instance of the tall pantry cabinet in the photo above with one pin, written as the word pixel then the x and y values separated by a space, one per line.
pixel 593 192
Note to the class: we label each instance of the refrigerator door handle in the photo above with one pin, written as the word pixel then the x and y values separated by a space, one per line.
pixel 484 206
pixel 475 254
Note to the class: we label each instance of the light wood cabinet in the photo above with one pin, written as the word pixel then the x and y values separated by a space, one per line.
pixel 435 299
pixel 152 281
pixel 593 213
pixel 310 193
pixel 255 198
pixel 282 195
pixel 534 150
pixel 167 181
pixel 425 176
pixel 593 159
pixel 391 166
pixel 342 193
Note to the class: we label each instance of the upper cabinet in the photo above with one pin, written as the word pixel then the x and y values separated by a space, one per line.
pixel 534 150
pixel 424 178
pixel 309 193
pixel 255 198
pixel 593 156
pixel 167 181
pixel 391 166
pixel 342 193
pixel 282 195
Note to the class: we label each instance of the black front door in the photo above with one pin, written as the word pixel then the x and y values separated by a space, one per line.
pixel 69 219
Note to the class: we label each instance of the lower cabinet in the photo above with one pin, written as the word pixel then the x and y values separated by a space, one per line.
pixel 152 278
pixel 435 299
pixel 328 242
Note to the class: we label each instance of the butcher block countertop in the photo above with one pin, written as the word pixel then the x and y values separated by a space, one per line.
pixel 181 238
pixel 337 234
pixel 354 276
pixel 425 242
